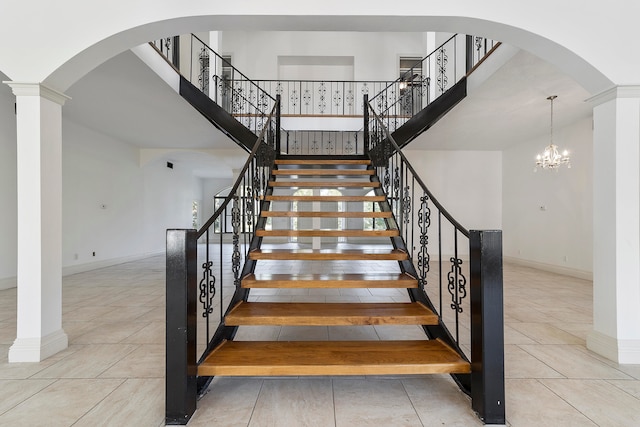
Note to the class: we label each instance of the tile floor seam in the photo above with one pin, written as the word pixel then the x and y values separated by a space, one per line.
pixel 97 403
pixel 621 389
pixel 255 403
pixel 29 397
pixel 137 346
pixel 333 401
pixel 567 402
pixel 412 404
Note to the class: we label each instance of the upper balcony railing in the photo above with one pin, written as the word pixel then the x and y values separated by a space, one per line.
pixel 429 78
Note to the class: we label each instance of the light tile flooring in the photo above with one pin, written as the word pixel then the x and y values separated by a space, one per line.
pixel 112 372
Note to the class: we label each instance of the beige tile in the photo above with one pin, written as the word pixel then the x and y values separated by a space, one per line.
pixel 530 403
pixel 511 336
pixel 147 361
pixel 303 333
pixel 136 402
pixel 60 404
pixel 299 402
pixel 630 386
pixel 439 401
pixel 87 313
pixel 229 402
pixel 88 362
pixel 520 364
pixel 152 333
pixel 604 403
pixel 386 332
pixel 571 362
pixel 109 333
pixel 348 333
pixel 372 403
pixel 13 392
pixel 545 333
pixel 257 333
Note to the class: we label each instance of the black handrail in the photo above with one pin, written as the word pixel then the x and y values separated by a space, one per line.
pixel 397 150
pixel 236 185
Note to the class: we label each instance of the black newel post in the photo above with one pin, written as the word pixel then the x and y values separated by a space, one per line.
pixel 487 326
pixel 278 139
pixel 181 368
pixel 365 106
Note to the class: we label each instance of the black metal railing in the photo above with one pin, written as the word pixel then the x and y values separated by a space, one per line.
pixel 169 47
pixel 322 142
pixel 447 258
pixel 196 301
pixel 322 97
pixel 429 78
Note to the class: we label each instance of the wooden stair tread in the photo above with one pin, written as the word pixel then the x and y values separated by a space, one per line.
pixel 328 254
pixel 324 184
pixel 326 233
pixel 337 161
pixel 332 214
pixel 373 280
pixel 323 172
pixel 250 358
pixel 283 198
pixel 329 314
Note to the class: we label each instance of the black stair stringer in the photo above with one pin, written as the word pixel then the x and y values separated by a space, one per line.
pixel 430 114
pixel 419 295
pixel 218 117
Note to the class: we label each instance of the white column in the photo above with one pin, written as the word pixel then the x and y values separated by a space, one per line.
pixel 39 139
pixel 616 212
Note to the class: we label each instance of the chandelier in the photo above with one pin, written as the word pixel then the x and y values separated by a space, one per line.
pixel 551 157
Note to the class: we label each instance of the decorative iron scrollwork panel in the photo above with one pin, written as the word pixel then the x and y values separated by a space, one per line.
pixel 457 284
pixel 207 288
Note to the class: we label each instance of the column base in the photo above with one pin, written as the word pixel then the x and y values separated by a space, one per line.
pixel 625 352
pixel 38 349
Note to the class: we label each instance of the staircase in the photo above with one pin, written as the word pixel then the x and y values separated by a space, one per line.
pixel 367 357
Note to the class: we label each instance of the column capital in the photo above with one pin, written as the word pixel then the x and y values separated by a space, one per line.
pixel 615 92
pixel 37 89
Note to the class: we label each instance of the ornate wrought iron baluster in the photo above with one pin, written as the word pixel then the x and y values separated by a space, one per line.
pixel 207 289
pixel 424 221
pixel 457 284
pixel 322 105
pixel 203 75
pixel 235 225
pixel 441 60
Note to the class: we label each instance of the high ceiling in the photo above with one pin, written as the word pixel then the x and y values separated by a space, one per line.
pixel 125 99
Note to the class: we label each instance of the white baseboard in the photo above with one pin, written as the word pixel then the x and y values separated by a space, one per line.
pixel 558 269
pixel 88 266
pixel 625 352
pixel 39 348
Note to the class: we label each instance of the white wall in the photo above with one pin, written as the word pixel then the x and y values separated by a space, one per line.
pixel 375 54
pixel 8 188
pixel 559 237
pixel 467 183
pixel 139 203
pixel 211 187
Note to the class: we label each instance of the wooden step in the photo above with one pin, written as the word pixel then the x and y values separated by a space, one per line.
pixel 333 214
pixel 293 358
pixel 323 172
pixel 372 280
pixel 337 161
pixel 329 314
pixel 324 184
pixel 273 198
pixel 329 254
pixel 326 233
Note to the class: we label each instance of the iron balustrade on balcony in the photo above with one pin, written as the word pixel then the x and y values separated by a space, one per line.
pixel 321 97
pixel 309 142
pixel 203 276
pixel 429 78
pixel 459 272
pixel 227 86
pixel 169 47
